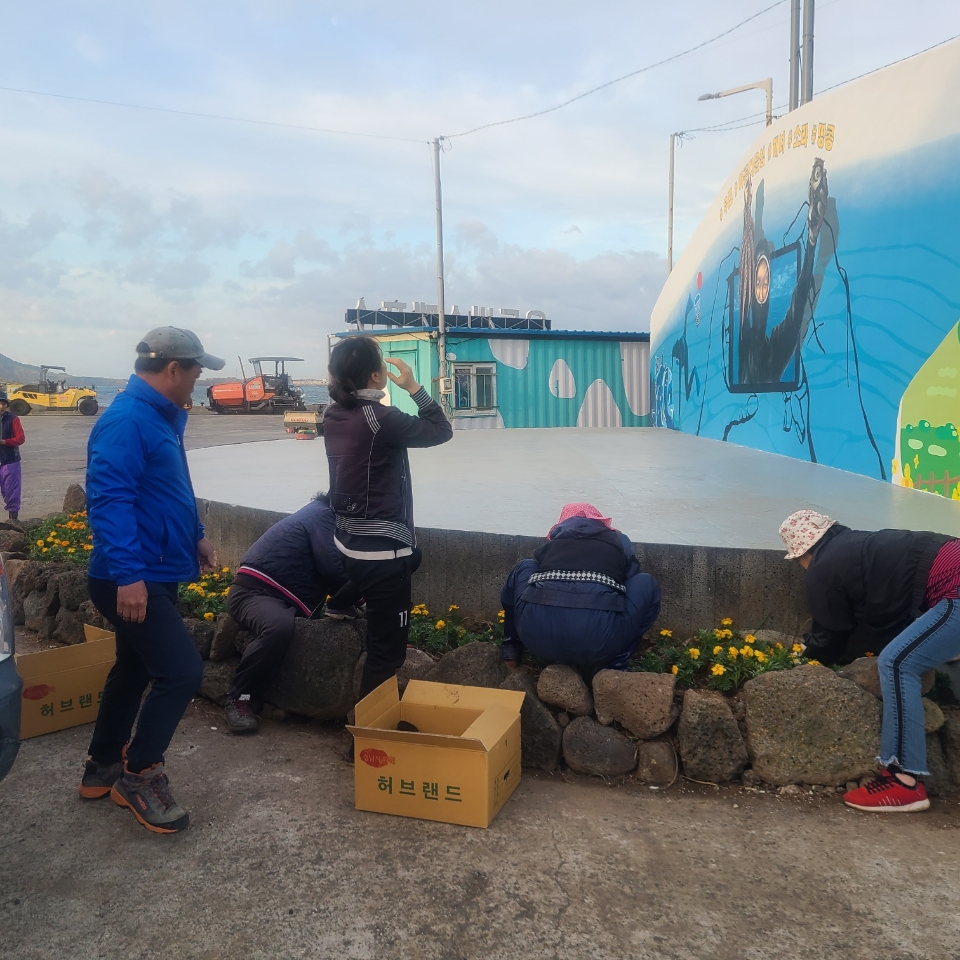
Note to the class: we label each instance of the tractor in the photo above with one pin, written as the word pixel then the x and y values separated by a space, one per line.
pixel 48 394
pixel 261 393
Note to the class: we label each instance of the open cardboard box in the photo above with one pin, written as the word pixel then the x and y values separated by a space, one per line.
pixel 62 687
pixel 461 765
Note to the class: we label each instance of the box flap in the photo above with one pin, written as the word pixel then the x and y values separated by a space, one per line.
pixel 377 702
pixel 33 665
pixel 95 633
pixel 455 695
pixel 420 739
pixel 492 724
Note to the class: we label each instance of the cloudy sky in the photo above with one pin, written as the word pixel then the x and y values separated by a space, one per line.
pixel 115 220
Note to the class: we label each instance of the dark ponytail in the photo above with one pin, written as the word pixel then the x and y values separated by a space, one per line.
pixel 352 363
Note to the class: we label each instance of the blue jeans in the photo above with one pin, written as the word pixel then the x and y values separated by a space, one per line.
pixel 930 640
pixel 159 650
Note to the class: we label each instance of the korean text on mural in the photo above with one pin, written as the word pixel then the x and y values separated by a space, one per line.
pixel 819 135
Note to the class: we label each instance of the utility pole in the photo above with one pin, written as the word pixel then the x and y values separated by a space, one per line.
pixel 442 336
pixel 673 138
pixel 806 62
pixel 794 54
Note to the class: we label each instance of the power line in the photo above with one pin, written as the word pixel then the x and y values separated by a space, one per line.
pixel 211 116
pixel 626 76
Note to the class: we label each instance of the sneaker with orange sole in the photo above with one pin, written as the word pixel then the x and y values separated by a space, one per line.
pixel 886 794
pixel 147 795
pixel 98 778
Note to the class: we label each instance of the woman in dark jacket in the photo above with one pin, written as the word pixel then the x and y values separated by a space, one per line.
pixel 371 492
pixel 582 599
pixel 901 588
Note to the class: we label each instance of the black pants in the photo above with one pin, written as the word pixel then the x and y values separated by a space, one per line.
pixel 160 650
pixel 271 621
pixel 385 585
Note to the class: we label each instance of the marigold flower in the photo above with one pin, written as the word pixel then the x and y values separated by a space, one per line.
pixel 224 569
pixel 760 655
pixel 72 550
pixel 44 549
pixel 674 669
pixel 64 543
pixel 728 634
pixel 440 624
pixel 749 638
pixel 718 669
pixel 733 651
pixel 666 633
pixel 88 546
pixel 797 648
pixel 39 543
pixel 694 653
pixel 452 607
pixel 815 662
pixel 779 646
pixel 726 622
pixel 746 651
pixel 718 633
pixel 717 649
pixel 208 616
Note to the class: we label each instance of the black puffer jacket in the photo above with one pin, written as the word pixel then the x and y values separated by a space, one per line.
pixel 296 559
pixel 871 582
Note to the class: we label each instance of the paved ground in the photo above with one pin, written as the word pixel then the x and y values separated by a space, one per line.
pixel 278 864
pixel 55 454
pixel 660 486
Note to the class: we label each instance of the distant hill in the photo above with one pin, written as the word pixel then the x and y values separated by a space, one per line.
pixel 12 371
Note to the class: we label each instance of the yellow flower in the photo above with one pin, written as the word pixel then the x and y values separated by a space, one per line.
pixel 868 654
pixel 44 549
pixel 816 662
pixel 718 669
pixel 760 655
pixel 694 653
pixel 733 651
pixel 717 649
pixel 224 569
pixel 718 633
pixel 746 651
pixel 797 648
pixel 726 622
pixel 727 634
pixel 501 613
pixel 39 543
pixel 208 616
pixel 88 546
pixel 779 646
pixel 674 669
pixel 64 543
pixel 440 624
pixel 72 550
pixel 666 633
pixel 452 607
pixel 749 638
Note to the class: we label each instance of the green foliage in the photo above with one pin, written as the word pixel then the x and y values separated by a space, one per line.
pixel 721 658
pixel 207 596
pixel 66 537
pixel 438 635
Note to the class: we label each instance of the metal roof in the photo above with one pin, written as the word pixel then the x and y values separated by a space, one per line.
pixel 462 332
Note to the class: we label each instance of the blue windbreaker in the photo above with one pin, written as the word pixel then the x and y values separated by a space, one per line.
pixel 140 502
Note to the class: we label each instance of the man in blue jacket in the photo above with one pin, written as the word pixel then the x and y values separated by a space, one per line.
pixel 147 538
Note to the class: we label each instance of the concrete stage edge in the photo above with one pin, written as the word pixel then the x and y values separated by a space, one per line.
pixel 703 515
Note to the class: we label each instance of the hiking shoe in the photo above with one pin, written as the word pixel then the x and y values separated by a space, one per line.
pixel 240 716
pixel 348 613
pixel 347 755
pixel 98 778
pixel 147 794
pixel 886 794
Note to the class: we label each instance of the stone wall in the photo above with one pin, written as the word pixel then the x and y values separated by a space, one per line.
pixel 700 585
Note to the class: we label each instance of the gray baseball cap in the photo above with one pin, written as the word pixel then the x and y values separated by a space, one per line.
pixel 174 343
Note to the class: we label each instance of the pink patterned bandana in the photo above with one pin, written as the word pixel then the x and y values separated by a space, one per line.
pixel 802 531
pixel 585 510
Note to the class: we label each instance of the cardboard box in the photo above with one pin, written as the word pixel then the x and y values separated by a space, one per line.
pixel 62 687
pixel 461 765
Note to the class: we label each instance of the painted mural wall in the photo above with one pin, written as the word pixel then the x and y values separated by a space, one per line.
pixel 542 382
pixel 815 311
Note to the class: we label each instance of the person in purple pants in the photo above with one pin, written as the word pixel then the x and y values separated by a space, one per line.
pixel 11 439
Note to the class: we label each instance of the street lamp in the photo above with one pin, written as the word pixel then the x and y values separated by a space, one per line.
pixel 766 85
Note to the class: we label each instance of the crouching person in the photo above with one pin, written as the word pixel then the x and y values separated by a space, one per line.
pixel 900 587
pixel 287 573
pixel 582 599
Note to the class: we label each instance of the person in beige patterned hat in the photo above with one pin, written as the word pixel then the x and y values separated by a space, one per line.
pixel 899 590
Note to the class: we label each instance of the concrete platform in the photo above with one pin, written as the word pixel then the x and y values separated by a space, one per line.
pixel 659 486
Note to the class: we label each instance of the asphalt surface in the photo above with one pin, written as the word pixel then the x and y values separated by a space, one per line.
pixel 55 452
pixel 278 864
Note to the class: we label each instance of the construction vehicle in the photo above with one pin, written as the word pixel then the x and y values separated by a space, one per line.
pixel 261 393
pixel 48 394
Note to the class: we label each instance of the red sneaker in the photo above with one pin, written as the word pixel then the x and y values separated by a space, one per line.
pixel 886 794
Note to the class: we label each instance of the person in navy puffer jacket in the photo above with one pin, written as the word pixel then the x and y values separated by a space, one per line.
pixel 582 599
